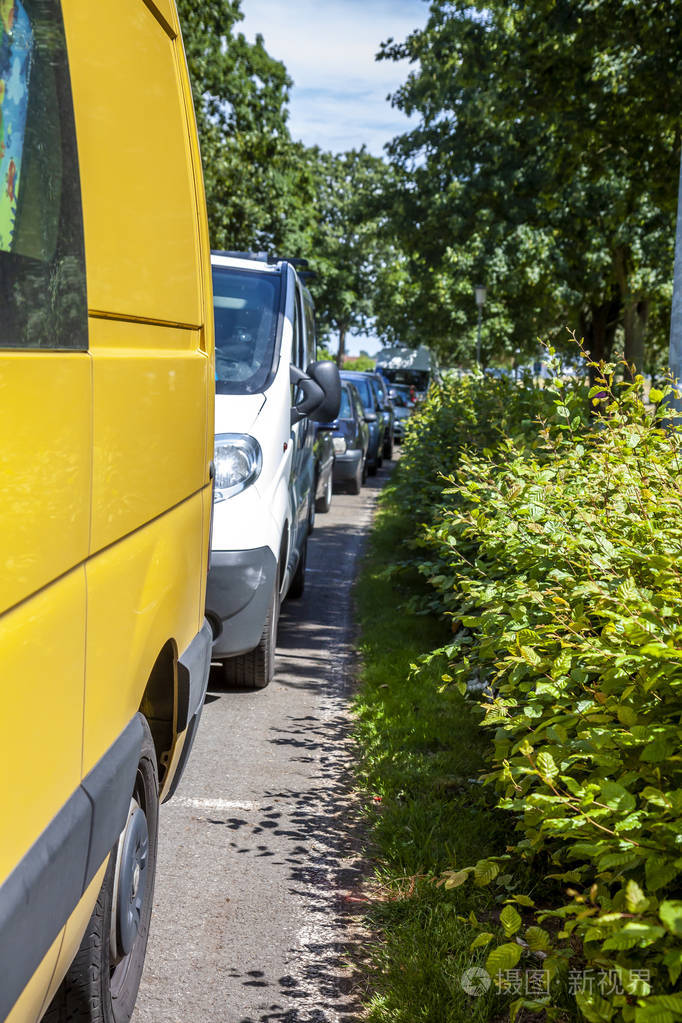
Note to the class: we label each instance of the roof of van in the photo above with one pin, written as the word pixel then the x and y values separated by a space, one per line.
pixel 402 357
pixel 245 261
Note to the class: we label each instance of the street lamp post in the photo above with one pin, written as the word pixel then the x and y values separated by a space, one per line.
pixel 480 293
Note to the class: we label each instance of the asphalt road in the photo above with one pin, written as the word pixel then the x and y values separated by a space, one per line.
pixel 254 913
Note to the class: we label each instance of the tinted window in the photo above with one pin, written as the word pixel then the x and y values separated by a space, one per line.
pixel 311 344
pixel 246 305
pixel 359 411
pixel 365 392
pixel 43 300
pixel 416 377
pixel 345 412
pixel 298 349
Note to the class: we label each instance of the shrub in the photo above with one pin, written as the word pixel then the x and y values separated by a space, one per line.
pixel 556 551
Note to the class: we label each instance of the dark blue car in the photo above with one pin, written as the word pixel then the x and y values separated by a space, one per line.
pixel 373 415
pixel 350 435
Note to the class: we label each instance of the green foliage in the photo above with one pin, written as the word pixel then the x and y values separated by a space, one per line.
pixel 555 551
pixel 259 183
pixel 345 246
pixel 266 192
pixel 469 414
pixel 362 364
pixel 545 164
pixel 418 752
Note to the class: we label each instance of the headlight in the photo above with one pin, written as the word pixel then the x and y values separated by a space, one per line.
pixel 238 462
pixel 340 445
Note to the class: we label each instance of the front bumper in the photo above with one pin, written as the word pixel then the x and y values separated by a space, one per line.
pixel 240 584
pixel 346 465
pixel 399 426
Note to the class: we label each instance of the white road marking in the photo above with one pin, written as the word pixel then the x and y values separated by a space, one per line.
pixel 213 804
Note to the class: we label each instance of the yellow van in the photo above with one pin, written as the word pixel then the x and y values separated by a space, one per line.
pixel 106 441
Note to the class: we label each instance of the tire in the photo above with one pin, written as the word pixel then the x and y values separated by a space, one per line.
pixel 256 669
pixel 101 986
pixel 364 470
pixel 312 507
pixel 324 503
pixel 372 467
pixel 298 582
pixel 355 484
pixel 388 448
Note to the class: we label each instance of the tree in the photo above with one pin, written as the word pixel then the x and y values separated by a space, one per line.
pixel 544 163
pixel 258 182
pixel 344 250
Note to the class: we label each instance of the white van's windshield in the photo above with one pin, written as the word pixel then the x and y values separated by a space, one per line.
pixel 246 305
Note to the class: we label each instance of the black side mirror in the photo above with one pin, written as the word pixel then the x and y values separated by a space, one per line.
pixel 310 395
pixel 321 392
pixel 325 374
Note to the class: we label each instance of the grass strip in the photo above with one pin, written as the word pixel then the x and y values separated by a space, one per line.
pixel 420 753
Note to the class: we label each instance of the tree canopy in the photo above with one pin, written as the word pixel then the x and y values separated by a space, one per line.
pixel 259 183
pixel 544 163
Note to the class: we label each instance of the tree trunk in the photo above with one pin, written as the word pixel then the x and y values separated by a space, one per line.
pixel 635 316
pixel 598 326
pixel 635 312
pixel 342 347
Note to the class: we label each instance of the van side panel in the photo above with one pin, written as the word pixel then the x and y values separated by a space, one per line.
pixel 43 645
pixel 164 10
pixel 142 592
pixel 150 347
pixel 141 237
pixel 45 423
pixel 149 442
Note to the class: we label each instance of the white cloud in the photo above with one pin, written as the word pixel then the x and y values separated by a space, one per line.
pixel 339 99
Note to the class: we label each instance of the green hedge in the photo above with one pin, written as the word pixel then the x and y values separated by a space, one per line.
pixel 554 546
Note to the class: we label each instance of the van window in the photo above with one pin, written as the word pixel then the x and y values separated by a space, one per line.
pixel 311 343
pixel 42 263
pixel 298 345
pixel 246 304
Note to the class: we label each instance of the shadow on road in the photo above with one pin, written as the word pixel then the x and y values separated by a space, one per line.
pixel 315 828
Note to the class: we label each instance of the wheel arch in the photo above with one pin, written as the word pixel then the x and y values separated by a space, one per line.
pixel 159 704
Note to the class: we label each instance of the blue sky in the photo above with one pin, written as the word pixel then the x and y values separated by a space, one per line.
pixel 328 47
pixel 338 101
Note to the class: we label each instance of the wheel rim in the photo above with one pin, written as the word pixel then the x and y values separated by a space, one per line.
pixel 132 880
pixel 130 888
pixel 328 496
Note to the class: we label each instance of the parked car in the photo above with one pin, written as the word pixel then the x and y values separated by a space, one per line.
pixel 373 416
pixel 266 402
pixel 350 436
pixel 387 413
pixel 323 453
pixel 106 363
pixel 403 407
pixel 415 367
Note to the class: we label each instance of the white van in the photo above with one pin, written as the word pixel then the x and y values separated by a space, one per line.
pixel 269 390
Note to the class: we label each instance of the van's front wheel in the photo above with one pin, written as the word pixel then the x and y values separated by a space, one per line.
pixel 102 983
pixel 256 669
